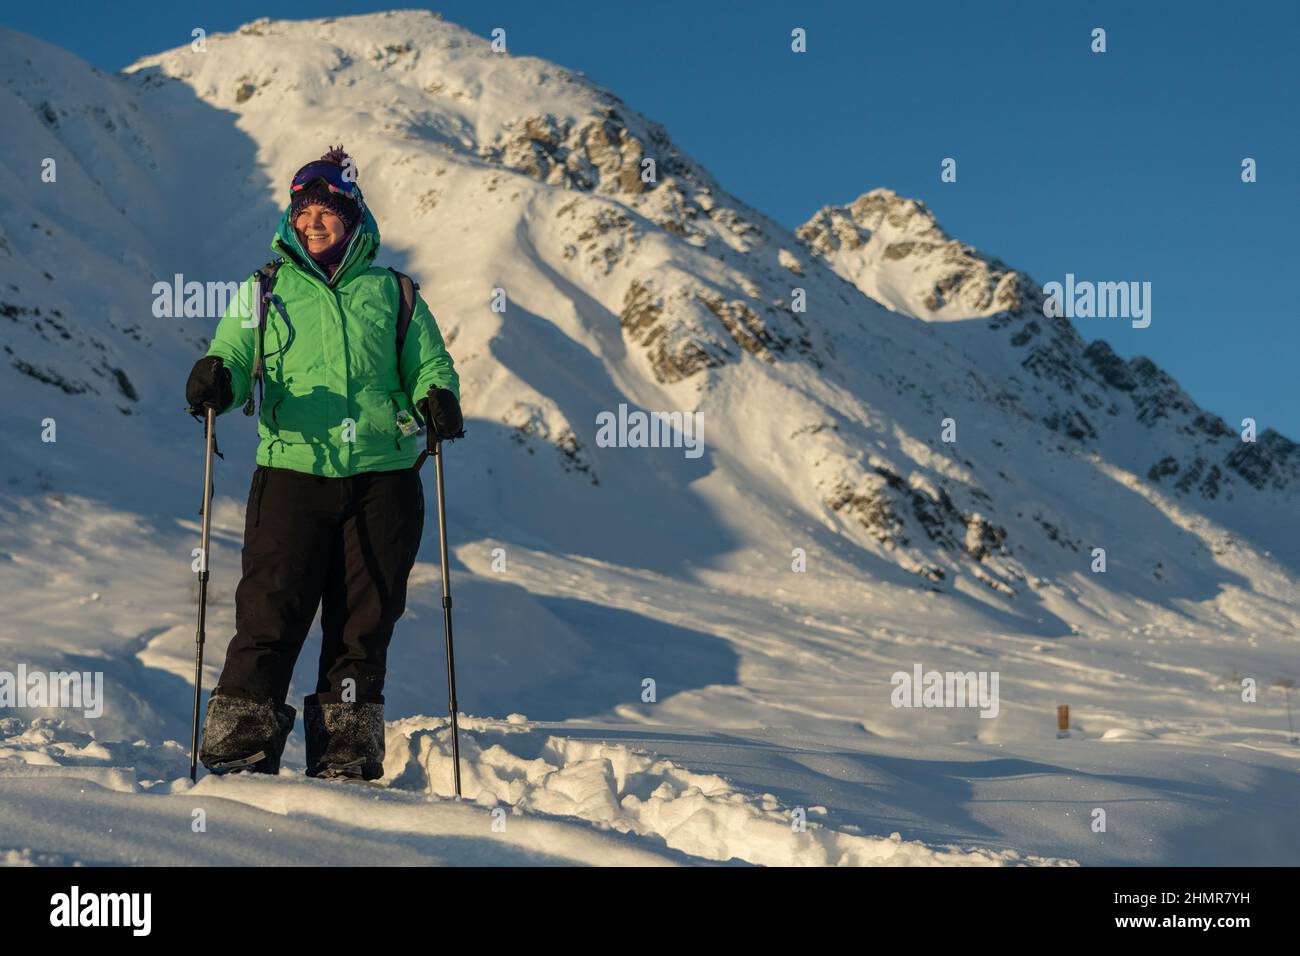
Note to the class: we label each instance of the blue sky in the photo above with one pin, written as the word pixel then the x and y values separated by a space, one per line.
pixel 1117 166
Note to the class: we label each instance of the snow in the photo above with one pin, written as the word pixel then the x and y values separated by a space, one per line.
pixel 822 433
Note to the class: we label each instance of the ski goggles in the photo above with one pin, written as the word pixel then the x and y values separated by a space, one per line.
pixel 331 175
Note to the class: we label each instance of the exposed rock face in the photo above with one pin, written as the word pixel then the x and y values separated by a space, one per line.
pixel 745 328
pixel 691 328
pixel 672 352
pixel 606 235
pixel 899 514
pixel 1273 460
pixel 883 229
pixel 983 538
pixel 594 154
pixel 1202 475
pixel 696 329
pixel 539 422
pixel 873 508
pixel 49 325
pixel 1112 369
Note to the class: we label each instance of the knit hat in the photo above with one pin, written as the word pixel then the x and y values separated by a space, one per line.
pixel 312 186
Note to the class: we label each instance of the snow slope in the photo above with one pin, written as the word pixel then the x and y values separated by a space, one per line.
pixel 822 433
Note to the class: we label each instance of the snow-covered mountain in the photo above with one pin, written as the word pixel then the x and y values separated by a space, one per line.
pixel 826 363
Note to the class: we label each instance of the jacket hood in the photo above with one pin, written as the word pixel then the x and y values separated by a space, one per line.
pixel 362 248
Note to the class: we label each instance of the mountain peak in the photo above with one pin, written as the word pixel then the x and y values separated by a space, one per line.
pixel 894 250
pixel 882 209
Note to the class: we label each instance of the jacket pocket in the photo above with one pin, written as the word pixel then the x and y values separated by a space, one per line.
pixel 295 416
pixel 399 403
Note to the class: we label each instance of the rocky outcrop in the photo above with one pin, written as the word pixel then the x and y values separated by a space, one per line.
pixel 672 351
pixel 532 424
pixel 599 153
pixel 883 229
pixel 917 516
pixel 696 329
pixel 1271 461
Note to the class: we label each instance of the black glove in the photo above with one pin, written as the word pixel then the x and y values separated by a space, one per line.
pixel 441 412
pixel 209 384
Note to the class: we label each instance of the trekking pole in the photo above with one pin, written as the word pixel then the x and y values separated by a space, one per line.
pixel 211 423
pixel 446 613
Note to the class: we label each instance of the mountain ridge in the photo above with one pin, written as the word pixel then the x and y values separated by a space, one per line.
pixel 699 284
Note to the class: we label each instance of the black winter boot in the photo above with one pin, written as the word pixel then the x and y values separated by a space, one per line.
pixel 241 734
pixel 344 740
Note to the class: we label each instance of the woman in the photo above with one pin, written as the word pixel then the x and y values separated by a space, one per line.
pixel 336 510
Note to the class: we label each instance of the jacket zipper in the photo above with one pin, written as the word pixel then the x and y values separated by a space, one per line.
pixel 330 288
pixel 333 291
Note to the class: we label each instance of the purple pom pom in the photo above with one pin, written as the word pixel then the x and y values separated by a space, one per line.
pixel 336 155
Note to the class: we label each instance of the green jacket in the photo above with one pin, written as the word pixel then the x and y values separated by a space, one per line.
pixel 333 384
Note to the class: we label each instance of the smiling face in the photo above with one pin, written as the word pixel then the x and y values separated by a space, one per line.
pixel 318 228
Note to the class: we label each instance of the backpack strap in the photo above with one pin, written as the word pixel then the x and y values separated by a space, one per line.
pixel 407 287
pixel 263 283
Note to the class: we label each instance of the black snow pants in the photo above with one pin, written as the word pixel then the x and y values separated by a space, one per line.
pixel 346 545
